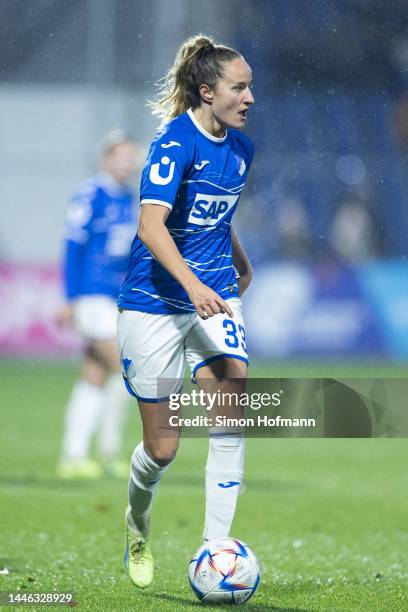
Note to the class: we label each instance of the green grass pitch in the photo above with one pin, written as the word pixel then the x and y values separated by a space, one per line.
pixel 327 519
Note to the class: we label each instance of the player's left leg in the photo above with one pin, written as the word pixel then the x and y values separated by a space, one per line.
pixel 216 352
pixel 225 463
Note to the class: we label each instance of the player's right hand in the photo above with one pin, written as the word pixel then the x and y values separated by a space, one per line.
pixel 206 301
pixel 65 316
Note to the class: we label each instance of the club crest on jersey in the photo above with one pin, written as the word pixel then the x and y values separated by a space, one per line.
pixel 156 177
pixel 241 164
pixel 209 209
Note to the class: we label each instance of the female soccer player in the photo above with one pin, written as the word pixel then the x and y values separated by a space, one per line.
pixel 181 298
pixel 100 228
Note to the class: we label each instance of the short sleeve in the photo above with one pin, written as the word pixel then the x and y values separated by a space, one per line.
pixel 165 167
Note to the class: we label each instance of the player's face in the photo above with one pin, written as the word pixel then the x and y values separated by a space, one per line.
pixel 232 94
pixel 121 162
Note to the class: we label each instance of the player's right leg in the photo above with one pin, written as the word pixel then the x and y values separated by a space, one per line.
pixel 152 357
pixel 150 460
pixel 81 420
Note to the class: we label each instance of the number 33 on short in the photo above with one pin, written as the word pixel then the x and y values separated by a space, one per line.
pixel 235 334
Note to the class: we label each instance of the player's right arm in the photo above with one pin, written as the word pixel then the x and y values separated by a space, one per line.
pixel 169 156
pixel 77 229
pixel 156 237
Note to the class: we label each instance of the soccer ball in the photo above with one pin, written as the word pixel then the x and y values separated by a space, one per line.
pixel 224 571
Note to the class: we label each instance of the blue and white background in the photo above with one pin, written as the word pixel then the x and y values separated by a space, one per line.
pixel 337 311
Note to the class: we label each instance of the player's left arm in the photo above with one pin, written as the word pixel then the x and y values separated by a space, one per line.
pixel 241 263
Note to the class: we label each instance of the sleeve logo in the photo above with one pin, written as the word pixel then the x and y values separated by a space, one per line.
pixel 155 175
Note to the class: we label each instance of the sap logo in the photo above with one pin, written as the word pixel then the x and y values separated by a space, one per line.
pixel 172 143
pixel 155 175
pixel 209 209
pixel 201 165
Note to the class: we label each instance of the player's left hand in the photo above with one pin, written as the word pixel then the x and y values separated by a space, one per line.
pixel 244 281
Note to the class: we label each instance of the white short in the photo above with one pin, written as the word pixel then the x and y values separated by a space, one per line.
pixel 95 317
pixel 155 348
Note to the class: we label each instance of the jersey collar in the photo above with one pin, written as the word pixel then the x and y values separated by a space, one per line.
pixel 202 130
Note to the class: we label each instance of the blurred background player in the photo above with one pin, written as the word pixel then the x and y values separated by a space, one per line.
pixel 99 229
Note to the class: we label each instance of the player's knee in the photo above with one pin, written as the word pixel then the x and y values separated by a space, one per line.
pixel 162 452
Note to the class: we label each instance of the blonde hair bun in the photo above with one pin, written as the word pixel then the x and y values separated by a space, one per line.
pixel 198 60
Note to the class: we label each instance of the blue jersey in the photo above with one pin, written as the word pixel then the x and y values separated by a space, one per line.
pixel 199 178
pixel 99 229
